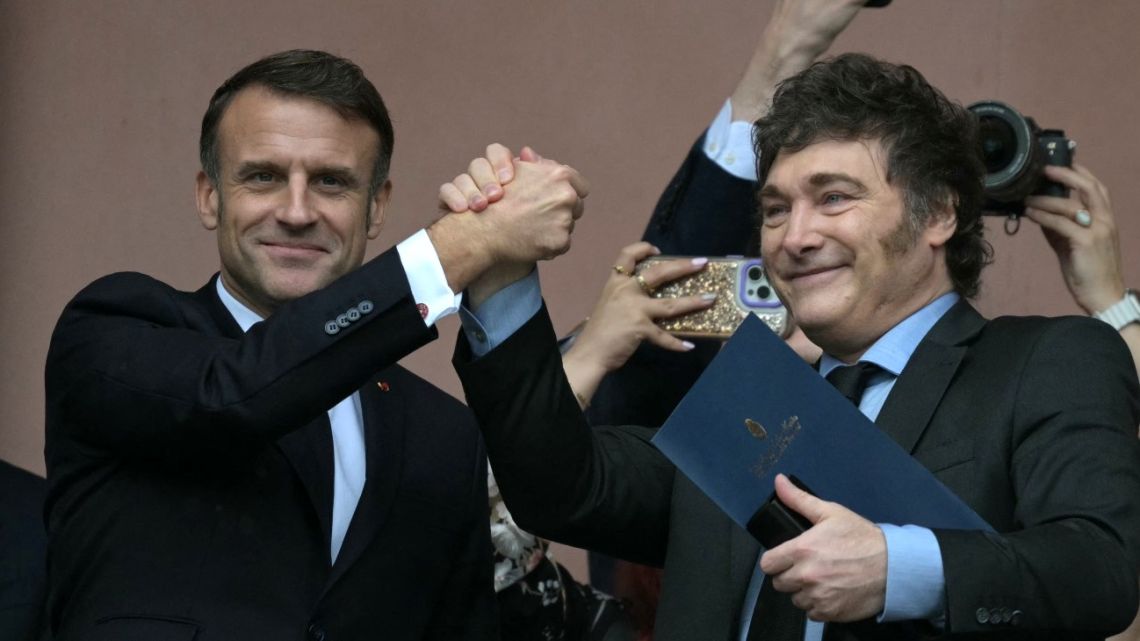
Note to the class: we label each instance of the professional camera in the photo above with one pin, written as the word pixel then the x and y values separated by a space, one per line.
pixel 1016 151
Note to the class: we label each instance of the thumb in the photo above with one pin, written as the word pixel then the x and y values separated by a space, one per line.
pixel 810 506
pixel 529 155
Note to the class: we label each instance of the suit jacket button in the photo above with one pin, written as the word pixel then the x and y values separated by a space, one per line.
pixel 331 328
pixel 365 306
pixel 1015 617
pixel 995 616
pixel 1006 615
pixel 316 632
pixel 982 615
pixel 353 314
pixel 342 320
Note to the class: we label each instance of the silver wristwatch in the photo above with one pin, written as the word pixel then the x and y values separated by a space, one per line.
pixel 1121 313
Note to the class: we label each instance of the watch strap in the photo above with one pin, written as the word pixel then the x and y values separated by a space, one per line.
pixel 1121 313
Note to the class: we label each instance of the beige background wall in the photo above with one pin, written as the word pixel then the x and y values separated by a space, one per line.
pixel 100 104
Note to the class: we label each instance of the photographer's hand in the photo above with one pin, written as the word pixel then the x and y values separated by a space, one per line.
pixel 797 32
pixel 1082 231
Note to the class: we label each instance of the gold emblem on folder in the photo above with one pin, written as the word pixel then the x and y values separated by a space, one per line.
pixel 755 429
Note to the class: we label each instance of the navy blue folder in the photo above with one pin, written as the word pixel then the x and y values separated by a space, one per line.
pixel 759 410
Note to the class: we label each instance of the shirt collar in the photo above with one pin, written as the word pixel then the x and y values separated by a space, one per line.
pixel 244 316
pixel 893 349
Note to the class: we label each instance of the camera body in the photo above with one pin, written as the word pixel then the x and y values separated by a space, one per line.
pixel 1016 152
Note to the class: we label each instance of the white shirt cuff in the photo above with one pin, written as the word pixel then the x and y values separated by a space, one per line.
pixel 502 314
pixel 728 143
pixel 426 278
pixel 916 587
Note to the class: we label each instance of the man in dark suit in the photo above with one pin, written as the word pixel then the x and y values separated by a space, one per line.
pixel 247 461
pixel 871 230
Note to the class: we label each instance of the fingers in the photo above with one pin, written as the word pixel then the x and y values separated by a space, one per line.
pixel 811 507
pixel 1091 193
pixel 1060 223
pixel 462 194
pixel 483 175
pixel 1088 205
pixel 502 161
pixel 452 198
pixel 578 182
pixel 664 339
pixel 482 184
pixel 667 271
pixel 1096 184
pixel 630 255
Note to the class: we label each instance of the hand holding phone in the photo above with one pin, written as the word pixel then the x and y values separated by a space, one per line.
pixel 742 288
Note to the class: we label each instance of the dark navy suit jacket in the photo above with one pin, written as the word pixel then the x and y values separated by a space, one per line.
pixel 190 471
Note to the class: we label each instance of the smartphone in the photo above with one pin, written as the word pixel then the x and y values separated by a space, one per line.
pixel 742 288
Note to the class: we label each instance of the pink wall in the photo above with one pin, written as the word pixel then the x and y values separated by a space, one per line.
pixel 100 104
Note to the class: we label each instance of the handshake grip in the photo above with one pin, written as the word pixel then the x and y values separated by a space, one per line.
pixel 775 523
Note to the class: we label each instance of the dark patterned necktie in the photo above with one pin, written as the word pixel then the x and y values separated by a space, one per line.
pixel 851 380
pixel 776 618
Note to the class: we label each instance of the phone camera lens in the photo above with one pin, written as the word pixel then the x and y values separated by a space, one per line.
pixel 764 292
pixel 754 272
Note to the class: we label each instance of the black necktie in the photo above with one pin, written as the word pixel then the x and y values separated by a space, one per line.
pixel 776 618
pixel 851 380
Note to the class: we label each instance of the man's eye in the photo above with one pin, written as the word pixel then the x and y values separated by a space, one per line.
pixel 774 213
pixel 261 177
pixel 330 181
pixel 834 199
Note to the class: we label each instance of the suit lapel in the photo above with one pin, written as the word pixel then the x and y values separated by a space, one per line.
pixel 920 387
pixel 309 450
pixel 383 411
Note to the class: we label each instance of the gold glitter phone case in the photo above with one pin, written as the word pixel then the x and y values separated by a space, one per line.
pixel 742 288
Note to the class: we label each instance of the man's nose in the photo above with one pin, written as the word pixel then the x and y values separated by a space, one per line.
pixel 297 210
pixel 802 233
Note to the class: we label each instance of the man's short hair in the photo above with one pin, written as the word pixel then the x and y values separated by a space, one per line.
pixel 334 81
pixel 931 143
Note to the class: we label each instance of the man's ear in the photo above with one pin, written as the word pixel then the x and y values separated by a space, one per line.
pixel 941 225
pixel 377 208
pixel 207 196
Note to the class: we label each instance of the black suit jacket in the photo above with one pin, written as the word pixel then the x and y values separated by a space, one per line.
pixel 1030 420
pixel 22 552
pixel 190 471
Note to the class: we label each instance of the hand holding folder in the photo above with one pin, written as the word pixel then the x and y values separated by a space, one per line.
pixel 759 410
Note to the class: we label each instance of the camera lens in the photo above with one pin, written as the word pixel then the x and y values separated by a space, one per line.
pixel 763 292
pixel 1010 149
pixel 999 144
pixel 754 272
